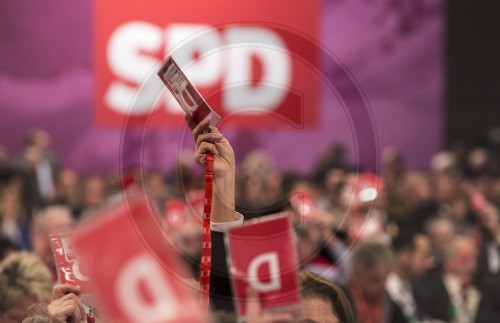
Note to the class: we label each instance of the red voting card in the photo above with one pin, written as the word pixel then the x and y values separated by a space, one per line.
pixel 175 213
pixel 262 255
pixel 178 212
pixel 186 94
pixel 303 203
pixel 69 267
pixel 135 272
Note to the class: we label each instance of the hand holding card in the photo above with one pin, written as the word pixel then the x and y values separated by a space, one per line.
pixel 186 94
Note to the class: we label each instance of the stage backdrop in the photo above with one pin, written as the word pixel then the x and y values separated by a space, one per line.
pixel 365 73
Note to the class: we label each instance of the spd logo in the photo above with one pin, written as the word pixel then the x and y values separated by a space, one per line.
pixel 238 54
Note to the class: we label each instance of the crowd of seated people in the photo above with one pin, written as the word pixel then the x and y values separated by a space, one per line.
pixel 403 245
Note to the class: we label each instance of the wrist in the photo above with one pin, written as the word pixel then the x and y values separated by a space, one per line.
pixel 223 205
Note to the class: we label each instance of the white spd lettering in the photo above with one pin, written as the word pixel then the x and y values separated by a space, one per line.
pixel 161 304
pixel 271 260
pixel 223 57
pixel 78 274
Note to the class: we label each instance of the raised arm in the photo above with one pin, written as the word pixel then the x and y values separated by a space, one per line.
pixel 214 142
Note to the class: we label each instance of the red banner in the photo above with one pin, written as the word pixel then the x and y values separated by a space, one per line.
pixel 262 255
pixel 256 72
pixel 135 272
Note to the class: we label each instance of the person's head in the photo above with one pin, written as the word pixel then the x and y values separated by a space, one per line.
pixel 412 253
pixel 24 281
pixel 441 232
pixel 461 258
pixel 93 194
pixel 371 262
pixel 38 137
pixel 11 187
pixel 323 301
pixel 417 188
pixel 37 313
pixel 6 247
pixel 50 220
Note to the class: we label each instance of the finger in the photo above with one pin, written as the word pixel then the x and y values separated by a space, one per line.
pixel 78 308
pixel 205 147
pixel 76 315
pixel 252 303
pixel 83 313
pixel 189 120
pixel 200 128
pixel 208 137
pixel 277 318
pixel 63 310
pixel 63 289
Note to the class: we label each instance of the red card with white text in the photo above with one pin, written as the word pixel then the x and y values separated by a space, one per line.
pixel 68 265
pixel 186 94
pixel 262 255
pixel 136 273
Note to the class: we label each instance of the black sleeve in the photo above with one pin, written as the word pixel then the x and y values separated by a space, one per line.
pixel 489 306
pixel 221 296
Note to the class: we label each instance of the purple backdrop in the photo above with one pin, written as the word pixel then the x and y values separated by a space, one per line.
pixel 394 49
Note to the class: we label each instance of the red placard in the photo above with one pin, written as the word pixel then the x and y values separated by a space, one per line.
pixel 304 204
pixel 262 255
pixel 252 60
pixel 136 274
pixel 186 94
pixel 177 212
pixel 68 265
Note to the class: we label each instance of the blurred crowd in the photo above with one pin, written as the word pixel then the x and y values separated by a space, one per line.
pixel 405 245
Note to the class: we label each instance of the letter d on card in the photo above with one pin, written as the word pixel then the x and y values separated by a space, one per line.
pixel 262 255
pixel 136 274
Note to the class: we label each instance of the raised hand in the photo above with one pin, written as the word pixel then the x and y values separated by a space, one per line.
pixel 223 209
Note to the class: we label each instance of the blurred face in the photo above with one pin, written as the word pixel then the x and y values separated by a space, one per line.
pixel 41 138
pixel 316 310
pixel 459 210
pixel 189 236
pixel 55 222
pixel 93 194
pixel 32 155
pixel 334 181
pixel 372 281
pixel 441 236
pixel 445 187
pixel 68 179
pixel 421 258
pixel 306 246
pixel 464 263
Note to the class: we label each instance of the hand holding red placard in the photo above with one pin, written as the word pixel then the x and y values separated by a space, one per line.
pixel 262 256
pixel 186 94
pixel 135 272
pixel 68 265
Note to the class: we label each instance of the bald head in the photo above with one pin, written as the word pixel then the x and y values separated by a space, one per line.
pixel 54 219
pixel 50 220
